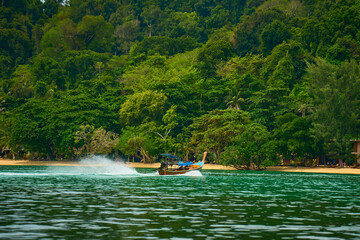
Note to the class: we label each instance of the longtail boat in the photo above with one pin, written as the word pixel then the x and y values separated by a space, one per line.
pixel 181 167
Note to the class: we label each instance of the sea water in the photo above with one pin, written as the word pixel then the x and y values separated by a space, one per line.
pixel 112 201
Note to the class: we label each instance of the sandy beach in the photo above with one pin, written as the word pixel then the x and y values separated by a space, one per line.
pixel 315 170
pixel 9 162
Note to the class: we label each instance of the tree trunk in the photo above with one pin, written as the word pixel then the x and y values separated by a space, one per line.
pixel 341 163
pixel 146 158
pixel 258 166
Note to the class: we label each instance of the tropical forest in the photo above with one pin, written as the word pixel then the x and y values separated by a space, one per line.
pixel 252 82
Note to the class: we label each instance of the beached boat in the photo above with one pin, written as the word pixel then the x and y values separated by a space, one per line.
pixel 175 166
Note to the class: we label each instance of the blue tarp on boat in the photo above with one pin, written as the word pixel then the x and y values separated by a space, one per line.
pixel 185 164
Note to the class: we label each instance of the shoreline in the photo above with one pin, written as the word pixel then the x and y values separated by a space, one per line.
pixel 327 170
pixel 9 162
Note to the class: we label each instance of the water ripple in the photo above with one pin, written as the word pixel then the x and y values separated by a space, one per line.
pixel 65 203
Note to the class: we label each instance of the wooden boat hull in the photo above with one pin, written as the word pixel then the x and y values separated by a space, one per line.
pixel 176 171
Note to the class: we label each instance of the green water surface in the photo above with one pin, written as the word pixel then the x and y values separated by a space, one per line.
pixel 124 203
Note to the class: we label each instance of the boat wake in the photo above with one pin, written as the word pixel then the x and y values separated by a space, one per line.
pixel 195 173
pixel 102 165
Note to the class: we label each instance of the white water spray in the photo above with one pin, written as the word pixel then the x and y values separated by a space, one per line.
pixel 103 165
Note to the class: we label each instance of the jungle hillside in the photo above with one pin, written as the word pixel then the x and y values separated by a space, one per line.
pixel 251 82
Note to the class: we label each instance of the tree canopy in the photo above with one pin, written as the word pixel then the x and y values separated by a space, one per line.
pixel 251 82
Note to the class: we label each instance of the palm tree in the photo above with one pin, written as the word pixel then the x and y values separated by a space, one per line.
pixel 234 99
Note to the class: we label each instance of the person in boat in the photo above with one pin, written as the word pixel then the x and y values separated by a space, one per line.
pixel 164 165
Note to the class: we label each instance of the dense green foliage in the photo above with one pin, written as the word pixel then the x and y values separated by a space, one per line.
pixel 249 81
